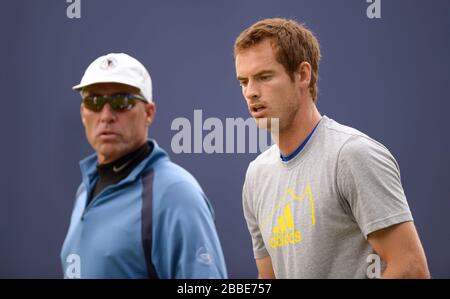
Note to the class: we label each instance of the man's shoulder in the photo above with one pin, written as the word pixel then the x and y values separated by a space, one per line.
pixel 346 138
pixel 167 173
pixel 176 189
pixel 354 144
pixel 332 127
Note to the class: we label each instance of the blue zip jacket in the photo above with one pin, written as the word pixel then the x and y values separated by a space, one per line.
pixel 155 223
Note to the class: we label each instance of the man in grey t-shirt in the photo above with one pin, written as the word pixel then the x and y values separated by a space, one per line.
pixel 326 200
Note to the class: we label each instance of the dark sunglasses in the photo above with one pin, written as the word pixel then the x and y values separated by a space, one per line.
pixel 119 102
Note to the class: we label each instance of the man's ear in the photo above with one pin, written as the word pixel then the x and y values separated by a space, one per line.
pixel 150 110
pixel 82 114
pixel 304 73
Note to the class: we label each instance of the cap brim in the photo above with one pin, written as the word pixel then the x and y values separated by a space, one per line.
pixel 107 80
pixel 78 87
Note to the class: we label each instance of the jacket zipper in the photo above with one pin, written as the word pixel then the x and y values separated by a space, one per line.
pixel 92 201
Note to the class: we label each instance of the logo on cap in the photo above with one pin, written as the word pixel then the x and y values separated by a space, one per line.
pixel 108 63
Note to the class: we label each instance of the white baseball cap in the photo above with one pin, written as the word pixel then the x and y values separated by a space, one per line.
pixel 118 68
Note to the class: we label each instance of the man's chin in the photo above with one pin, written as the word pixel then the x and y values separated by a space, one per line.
pixel 108 152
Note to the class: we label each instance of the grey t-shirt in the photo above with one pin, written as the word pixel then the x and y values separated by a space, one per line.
pixel 312 214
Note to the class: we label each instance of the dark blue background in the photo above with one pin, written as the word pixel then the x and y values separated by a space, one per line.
pixel 387 77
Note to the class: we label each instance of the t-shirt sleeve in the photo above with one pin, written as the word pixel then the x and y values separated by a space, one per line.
pixel 368 179
pixel 259 248
pixel 186 243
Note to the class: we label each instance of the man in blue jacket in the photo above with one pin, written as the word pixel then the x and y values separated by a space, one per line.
pixel 136 214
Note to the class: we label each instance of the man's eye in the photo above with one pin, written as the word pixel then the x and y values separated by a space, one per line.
pixel 265 78
pixel 243 83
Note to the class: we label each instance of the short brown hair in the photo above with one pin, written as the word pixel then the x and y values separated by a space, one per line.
pixel 293 44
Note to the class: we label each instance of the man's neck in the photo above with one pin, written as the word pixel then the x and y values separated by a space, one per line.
pixel 291 137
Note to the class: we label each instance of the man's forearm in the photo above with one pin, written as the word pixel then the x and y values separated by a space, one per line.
pixel 405 270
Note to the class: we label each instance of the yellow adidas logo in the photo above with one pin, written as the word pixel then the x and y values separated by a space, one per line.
pixel 284 233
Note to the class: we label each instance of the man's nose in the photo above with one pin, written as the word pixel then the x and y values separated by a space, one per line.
pixel 252 91
pixel 107 114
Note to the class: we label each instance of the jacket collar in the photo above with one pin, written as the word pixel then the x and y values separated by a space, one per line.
pixel 89 172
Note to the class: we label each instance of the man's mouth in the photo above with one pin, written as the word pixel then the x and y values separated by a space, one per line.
pixel 257 110
pixel 108 134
